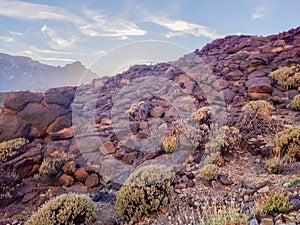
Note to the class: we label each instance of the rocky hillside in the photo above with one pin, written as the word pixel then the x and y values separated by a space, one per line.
pixel 212 116
pixel 22 73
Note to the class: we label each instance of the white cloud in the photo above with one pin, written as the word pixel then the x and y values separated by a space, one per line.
pixel 100 26
pixel 91 24
pixel 260 12
pixel 31 11
pixel 7 38
pixel 57 42
pixel 14 33
pixel 180 27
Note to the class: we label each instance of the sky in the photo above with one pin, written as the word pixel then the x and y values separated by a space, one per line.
pixel 58 32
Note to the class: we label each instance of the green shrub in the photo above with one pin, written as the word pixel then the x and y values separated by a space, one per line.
pixel 228 218
pixel 277 203
pixel 170 143
pixel 288 144
pixel 209 172
pixel 287 77
pixel 295 104
pixel 294 182
pixel 71 209
pixel 53 165
pixel 9 149
pixel 260 108
pixel 146 190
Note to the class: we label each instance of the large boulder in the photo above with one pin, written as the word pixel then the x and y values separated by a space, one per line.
pixel 18 100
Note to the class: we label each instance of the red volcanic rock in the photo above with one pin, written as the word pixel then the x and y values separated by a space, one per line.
pixel 66 180
pixel 37 115
pixel 60 96
pixel 12 127
pixel 17 101
pixel 81 175
pixel 259 85
pixel 69 168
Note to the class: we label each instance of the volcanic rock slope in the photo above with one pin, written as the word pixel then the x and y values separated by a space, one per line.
pixel 114 125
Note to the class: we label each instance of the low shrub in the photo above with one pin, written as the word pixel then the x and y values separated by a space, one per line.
pixel 287 143
pixel 9 149
pixel 260 108
pixel 228 218
pixel 73 209
pixel 202 115
pixel 52 165
pixel 274 165
pixel 146 190
pixel 255 119
pixel 295 104
pixel 195 133
pixel 170 143
pixel 277 203
pixel 287 77
pixel 209 172
pixel 226 140
pixel 8 181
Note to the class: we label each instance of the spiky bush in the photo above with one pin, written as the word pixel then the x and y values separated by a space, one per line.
pixel 209 172
pixel 295 104
pixel 146 190
pixel 255 119
pixel 288 144
pixel 170 143
pixel 287 77
pixel 260 108
pixel 9 149
pixel 53 164
pixel 71 209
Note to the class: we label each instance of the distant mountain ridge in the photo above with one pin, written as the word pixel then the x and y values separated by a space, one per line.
pixel 23 73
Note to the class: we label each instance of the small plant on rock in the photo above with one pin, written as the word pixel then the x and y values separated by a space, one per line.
pixel 146 190
pixel 203 115
pixel 209 172
pixel 170 143
pixel 53 165
pixel 287 144
pixel 295 104
pixel 287 77
pixel 72 209
pixel 9 149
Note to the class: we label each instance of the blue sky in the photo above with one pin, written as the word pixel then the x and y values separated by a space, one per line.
pixel 62 31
